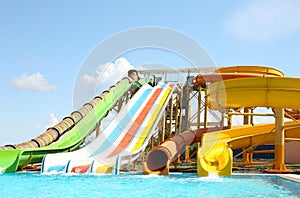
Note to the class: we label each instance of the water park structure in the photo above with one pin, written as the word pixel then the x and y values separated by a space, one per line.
pixel 160 118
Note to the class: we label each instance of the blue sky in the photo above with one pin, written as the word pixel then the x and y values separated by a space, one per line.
pixel 44 43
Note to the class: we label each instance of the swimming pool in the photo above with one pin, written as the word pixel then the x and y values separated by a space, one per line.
pixel 124 185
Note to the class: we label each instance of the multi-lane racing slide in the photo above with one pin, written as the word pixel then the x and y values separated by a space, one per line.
pixel 67 135
pixel 121 141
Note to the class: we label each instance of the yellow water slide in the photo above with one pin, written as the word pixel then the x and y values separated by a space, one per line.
pixel 215 154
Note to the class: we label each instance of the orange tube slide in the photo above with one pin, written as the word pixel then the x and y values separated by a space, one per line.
pixel 227 73
pixel 159 158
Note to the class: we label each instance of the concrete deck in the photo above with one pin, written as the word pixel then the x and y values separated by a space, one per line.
pixel 293 177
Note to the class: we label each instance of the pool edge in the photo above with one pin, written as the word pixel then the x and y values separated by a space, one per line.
pixel 292 177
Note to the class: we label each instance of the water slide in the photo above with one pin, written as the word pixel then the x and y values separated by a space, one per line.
pixel 160 157
pixel 228 73
pixel 251 87
pixel 67 135
pixel 122 141
pixel 215 154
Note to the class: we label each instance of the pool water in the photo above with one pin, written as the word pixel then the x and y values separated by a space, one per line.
pixel 125 185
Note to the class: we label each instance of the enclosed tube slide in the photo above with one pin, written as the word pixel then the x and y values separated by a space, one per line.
pixel 159 158
pixel 227 73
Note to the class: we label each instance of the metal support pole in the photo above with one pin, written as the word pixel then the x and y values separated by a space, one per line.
pixel 229 121
pixel 152 142
pixel 170 116
pixel 120 103
pixel 246 155
pixel 187 154
pixel 279 140
pixel 185 108
pixel 198 118
pixel 222 122
pixel 98 129
pixel 279 164
pixel 176 116
pixel 179 159
pixel 252 117
pixel 205 108
pixel 199 109
pixel 134 165
pixel 246 116
pixel 159 138
pixel 143 157
pixel 167 132
pixel 251 156
pixel 180 113
pixel 163 129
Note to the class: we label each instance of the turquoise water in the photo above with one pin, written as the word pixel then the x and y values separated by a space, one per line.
pixel 175 185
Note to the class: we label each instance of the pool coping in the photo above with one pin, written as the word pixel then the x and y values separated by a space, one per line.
pixel 293 177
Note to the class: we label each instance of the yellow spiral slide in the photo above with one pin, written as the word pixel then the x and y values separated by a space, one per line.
pixel 215 154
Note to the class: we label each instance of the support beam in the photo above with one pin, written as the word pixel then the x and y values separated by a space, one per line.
pixel 279 140
pixel 170 117
pixel 163 129
pixel 246 116
pixel 177 124
pixel 246 155
pixel 98 129
pixel 279 164
pixel 198 119
pixel 252 117
pixel 199 107
pixel 250 114
pixel 229 121
pixel 152 142
pixel 187 154
pixel 205 109
pixel 185 104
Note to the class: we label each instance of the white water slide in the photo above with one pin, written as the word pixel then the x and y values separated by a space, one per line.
pixel 122 141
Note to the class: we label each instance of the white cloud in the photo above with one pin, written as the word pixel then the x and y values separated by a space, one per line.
pixel 264 20
pixel 140 68
pixel 103 76
pixel 108 74
pixel 33 82
pixel 52 121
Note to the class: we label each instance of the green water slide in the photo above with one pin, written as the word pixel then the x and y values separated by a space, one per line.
pixel 13 160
